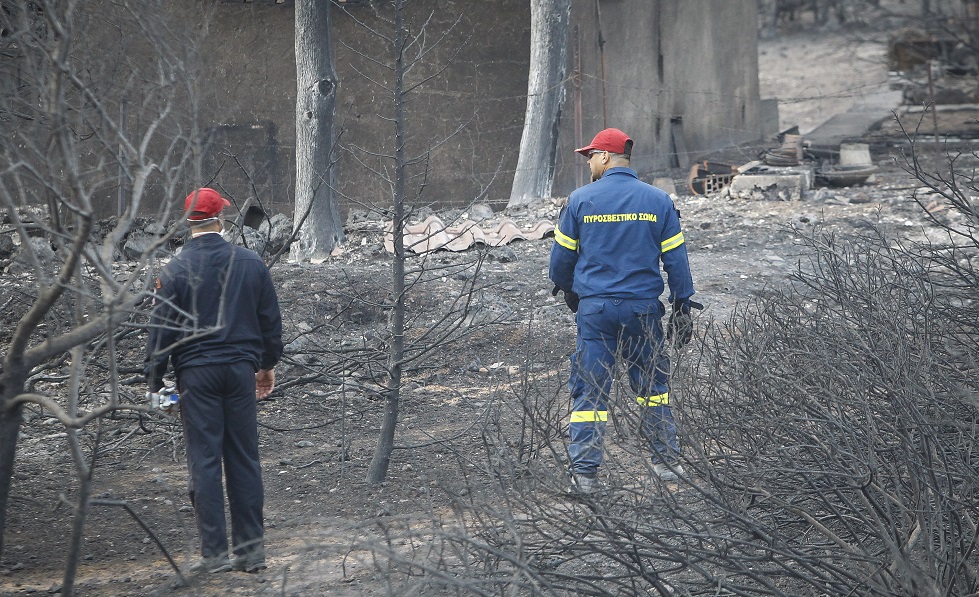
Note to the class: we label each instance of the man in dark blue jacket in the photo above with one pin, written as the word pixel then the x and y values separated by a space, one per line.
pixel 608 245
pixel 216 317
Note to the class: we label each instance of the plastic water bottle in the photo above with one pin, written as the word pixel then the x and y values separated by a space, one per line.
pixel 165 399
pixel 170 400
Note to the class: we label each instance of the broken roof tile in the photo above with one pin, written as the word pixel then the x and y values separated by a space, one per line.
pixel 434 235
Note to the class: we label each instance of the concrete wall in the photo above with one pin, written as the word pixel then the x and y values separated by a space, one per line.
pixel 470 115
pixel 248 101
pixel 695 60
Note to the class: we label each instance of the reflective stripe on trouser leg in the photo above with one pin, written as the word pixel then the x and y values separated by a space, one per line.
pixel 658 400
pixel 659 427
pixel 587 430
pixel 649 374
pixel 590 382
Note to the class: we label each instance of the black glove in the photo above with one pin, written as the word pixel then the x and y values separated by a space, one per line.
pixel 680 327
pixel 570 299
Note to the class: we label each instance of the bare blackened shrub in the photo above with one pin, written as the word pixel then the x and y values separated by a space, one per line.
pixel 88 105
pixel 949 197
pixel 831 409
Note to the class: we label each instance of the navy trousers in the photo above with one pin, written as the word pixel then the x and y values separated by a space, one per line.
pixel 631 331
pixel 217 407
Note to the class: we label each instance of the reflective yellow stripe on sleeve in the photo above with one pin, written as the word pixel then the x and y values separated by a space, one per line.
pixel 660 400
pixel 564 240
pixel 672 243
pixel 589 416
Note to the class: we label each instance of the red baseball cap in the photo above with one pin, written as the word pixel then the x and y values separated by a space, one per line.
pixel 204 204
pixel 612 140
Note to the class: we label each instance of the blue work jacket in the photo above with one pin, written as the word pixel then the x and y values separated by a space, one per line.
pixel 612 236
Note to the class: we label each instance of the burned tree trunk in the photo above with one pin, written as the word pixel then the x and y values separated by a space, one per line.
pixel 317 215
pixel 11 417
pixel 378 469
pixel 534 177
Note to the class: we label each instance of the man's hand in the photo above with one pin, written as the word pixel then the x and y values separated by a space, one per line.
pixel 680 327
pixel 570 299
pixel 264 383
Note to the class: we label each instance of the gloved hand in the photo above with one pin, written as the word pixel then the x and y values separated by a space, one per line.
pixel 679 329
pixel 570 299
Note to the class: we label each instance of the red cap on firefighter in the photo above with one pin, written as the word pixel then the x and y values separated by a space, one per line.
pixel 612 140
pixel 204 204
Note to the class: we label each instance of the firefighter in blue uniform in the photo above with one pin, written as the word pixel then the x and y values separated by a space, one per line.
pixel 609 242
